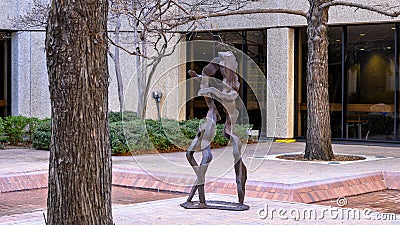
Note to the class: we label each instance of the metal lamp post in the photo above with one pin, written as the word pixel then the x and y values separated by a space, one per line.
pixel 157 96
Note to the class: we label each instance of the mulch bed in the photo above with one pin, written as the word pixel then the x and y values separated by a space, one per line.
pixel 170 150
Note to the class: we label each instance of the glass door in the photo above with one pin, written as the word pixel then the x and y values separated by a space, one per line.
pixel 370 82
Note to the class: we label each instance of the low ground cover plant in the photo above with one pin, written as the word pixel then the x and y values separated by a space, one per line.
pixel 134 136
pixel 42 135
pixel 128 134
pixel 17 130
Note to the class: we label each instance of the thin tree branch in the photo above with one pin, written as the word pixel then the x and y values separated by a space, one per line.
pixel 181 7
pixel 36 18
pixel 111 54
pixel 184 20
pixel 376 9
pixel 125 49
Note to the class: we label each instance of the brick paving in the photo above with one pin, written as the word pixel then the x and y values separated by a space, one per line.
pixel 22 202
pixel 261 211
pixel 305 192
pixel 386 201
pixel 35 200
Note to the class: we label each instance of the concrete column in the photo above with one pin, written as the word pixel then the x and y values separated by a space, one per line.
pixel 21 74
pixel 280 82
pixel 40 94
pixel 30 92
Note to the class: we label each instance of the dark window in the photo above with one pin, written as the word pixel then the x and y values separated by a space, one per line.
pixel 4 75
pixel 367 72
pixel 370 73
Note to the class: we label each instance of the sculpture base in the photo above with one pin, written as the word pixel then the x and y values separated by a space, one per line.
pixel 220 205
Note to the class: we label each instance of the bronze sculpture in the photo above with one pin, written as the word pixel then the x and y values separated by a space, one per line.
pixel 226 92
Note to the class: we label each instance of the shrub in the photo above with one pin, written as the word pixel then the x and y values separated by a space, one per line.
pixel 118 116
pixel 114 117
pixel 157 135
pixel 14 128
pixel 219 139
pixel 169 135
pixel 180 134
pixel 2 137
pixel 241 130
pixel 41 137
pixel 136 136
pixel 118 141
pixel 129 136
pixel 32 125
pixel 189 128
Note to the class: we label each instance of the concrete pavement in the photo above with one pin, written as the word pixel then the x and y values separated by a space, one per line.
pixel 261 170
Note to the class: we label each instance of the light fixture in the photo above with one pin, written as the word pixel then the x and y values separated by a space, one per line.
pixel 6 35
pixel 393 28
pixel 157 96
pixel 362 35
pixel 362 49
pixel 388 47
pixel 337 40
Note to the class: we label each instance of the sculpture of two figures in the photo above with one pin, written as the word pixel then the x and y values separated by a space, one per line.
pixel 226 92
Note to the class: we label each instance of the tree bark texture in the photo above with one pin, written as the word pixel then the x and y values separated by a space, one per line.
pixel 80 154
pixel 318 144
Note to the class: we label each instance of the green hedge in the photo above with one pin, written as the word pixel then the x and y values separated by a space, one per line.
pixel 118 116
pixel 42 135
pixel 2 135
pixel 130 135
pixel 16 130
pixel 138 137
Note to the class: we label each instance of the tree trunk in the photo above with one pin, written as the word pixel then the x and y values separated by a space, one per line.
pixel 117 65
pixel 80 155
pixel 318 144
pixel 145 81
pixel 140 76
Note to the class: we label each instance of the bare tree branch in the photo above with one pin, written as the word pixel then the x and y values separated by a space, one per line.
pixel 184 20
pixel 125 49
pixel 377 8
pixel 36 18
pixel 181 7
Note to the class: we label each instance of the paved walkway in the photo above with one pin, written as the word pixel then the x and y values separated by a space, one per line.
pixel 22 202
pixel 260 170
pixel 261 212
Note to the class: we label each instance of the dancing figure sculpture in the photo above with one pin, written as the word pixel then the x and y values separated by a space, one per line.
pixel 226 92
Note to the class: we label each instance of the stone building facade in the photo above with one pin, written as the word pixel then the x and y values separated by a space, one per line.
pixel 363 68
